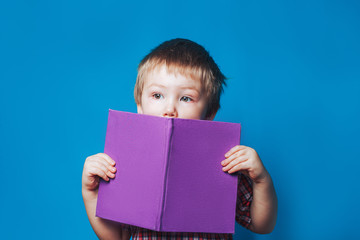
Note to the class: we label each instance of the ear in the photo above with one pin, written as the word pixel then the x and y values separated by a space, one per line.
pixel 139 109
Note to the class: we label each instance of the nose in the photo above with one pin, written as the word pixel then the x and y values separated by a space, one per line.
pixel 170 110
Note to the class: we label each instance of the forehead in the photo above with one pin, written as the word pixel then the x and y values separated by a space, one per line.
pixel 172 75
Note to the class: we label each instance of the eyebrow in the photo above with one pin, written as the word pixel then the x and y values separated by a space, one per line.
pixel 162 86
pixel 191 89
pixel 156 85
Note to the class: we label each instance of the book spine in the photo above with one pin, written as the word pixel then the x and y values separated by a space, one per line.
pixel 168 143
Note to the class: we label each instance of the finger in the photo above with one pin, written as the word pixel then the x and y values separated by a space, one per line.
pixel 94 171
pixel 233 156
pixel 104 168
pixel 106 157
pixel 238 167
pixel 235 162
pixel 107 172
pixel 103 161
pixel 234 149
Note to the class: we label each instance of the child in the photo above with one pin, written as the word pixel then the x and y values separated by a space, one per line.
pixel 179 79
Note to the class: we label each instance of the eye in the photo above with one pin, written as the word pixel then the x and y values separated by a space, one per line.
pixel 157 95
pixel 186 99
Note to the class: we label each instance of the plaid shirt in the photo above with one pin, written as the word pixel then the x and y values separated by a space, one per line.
pixel 243 202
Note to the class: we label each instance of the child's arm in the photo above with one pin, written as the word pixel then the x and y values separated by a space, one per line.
pixel 96 166
pixel 264 205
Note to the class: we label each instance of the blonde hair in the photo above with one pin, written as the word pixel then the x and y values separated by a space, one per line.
pixel 189 59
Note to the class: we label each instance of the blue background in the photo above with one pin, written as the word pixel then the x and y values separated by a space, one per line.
pixel 293 69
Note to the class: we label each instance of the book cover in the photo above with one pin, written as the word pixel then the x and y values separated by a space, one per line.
pixel 169 177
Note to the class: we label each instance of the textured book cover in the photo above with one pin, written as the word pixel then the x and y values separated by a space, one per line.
pixel 169 177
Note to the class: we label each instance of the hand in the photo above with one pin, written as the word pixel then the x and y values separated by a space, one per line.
pixel 97 166
pixel 245 160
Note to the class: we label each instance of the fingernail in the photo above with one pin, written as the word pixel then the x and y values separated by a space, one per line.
pixel 222 163
pixel 226 155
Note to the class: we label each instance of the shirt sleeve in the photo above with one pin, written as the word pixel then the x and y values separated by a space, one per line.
pixel 128 228
pixel 243 201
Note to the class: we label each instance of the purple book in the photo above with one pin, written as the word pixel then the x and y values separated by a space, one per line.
pixel 169 177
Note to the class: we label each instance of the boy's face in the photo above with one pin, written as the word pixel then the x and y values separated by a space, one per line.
pixel 170 95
